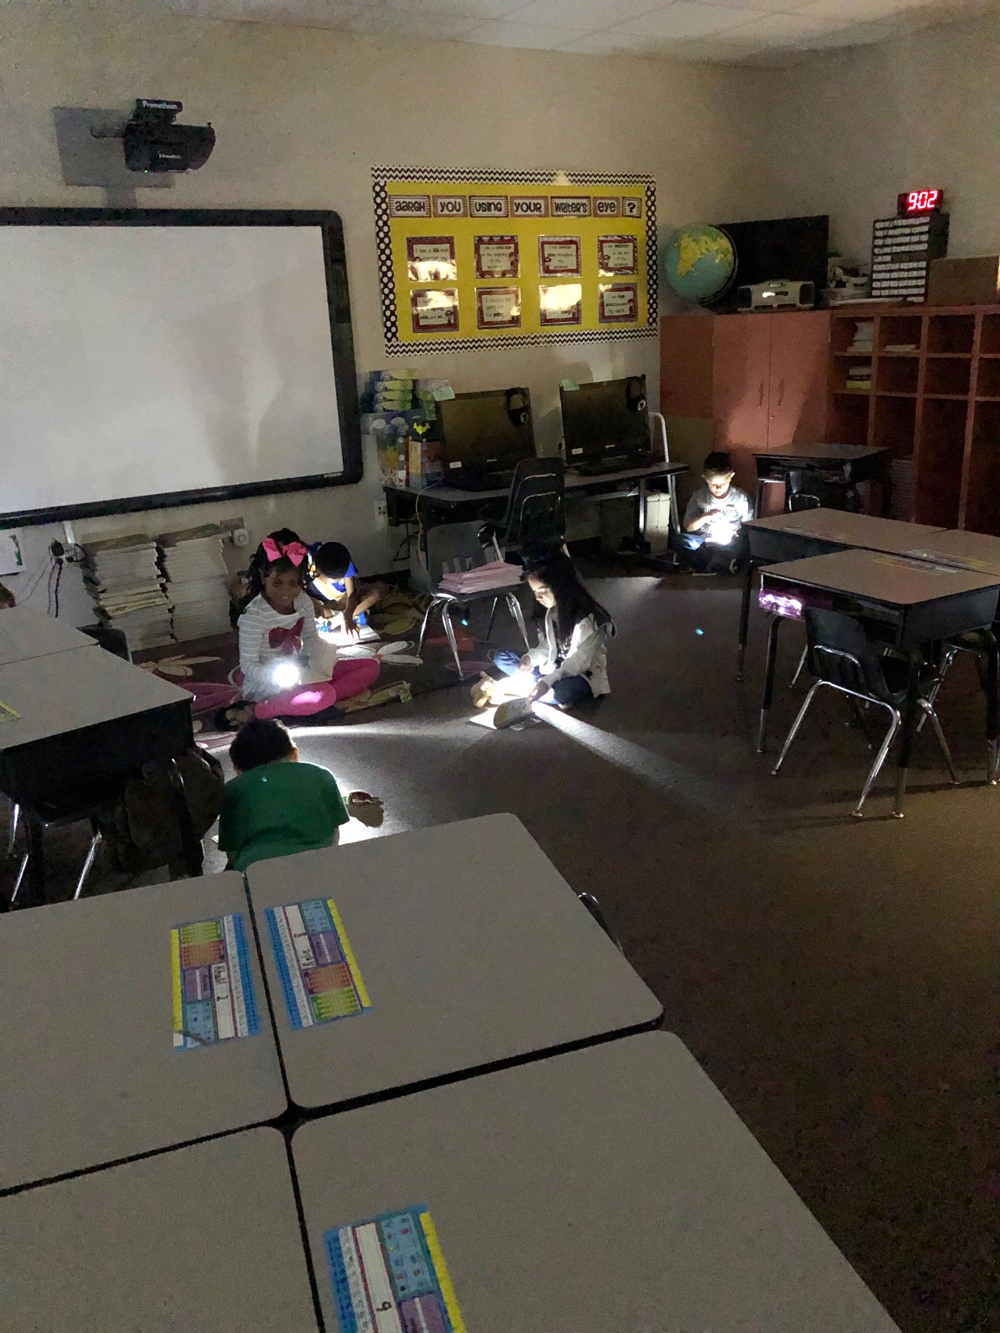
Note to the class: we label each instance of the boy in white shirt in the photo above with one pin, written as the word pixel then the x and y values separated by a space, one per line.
pixel 712 537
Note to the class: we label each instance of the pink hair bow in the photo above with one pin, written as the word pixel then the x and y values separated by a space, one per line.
pixel 294 551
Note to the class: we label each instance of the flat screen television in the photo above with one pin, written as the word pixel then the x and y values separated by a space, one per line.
pixel 485 433
pixel 795 249
pixel 605 420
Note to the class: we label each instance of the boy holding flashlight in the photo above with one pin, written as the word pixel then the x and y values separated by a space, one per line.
pixel 713 521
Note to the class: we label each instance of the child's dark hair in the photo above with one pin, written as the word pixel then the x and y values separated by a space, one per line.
pixel 332 560
pixel 573 602
pixel 717 464
pixel 258 742
pixel 261 564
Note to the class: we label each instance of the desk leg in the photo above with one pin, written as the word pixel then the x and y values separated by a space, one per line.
pixel 992 723
pixel 193 854
pixel 745 616
pixel 641 545
pixel 35 887
pixel 909 726
pixel 765 703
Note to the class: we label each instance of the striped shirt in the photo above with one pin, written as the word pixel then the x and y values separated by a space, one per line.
pixel 267 637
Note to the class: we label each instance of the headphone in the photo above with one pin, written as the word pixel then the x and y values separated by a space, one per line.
pixel 635 393
pixel 518 406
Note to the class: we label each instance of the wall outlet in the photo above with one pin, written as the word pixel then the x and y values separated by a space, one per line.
pixel 381 514
pixel 240 537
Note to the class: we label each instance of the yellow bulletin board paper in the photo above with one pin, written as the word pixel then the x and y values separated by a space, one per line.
pixel 474 259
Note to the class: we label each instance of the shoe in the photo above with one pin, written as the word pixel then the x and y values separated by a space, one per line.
pixel 323 718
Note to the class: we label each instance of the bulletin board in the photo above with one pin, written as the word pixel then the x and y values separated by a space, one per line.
pixel 473 259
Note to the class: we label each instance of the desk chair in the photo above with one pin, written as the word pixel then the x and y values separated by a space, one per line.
pixel 453 547
pixel 71 808
pixel 843 658
pixel 807 488
pixel 535 517
pixel 981 643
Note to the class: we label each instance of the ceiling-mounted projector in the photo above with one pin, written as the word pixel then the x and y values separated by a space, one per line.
pixel 154 143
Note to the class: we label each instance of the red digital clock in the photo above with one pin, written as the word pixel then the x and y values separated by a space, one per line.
pixel 918 201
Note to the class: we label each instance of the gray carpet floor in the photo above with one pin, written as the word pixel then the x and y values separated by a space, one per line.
pixel 836 978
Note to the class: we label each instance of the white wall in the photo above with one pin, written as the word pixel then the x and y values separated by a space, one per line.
pixel 303 114
pixel 844 132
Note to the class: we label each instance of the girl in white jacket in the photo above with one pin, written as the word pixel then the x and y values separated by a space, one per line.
pixel 570 663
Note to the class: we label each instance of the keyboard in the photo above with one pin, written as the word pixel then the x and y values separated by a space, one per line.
pixel 620 464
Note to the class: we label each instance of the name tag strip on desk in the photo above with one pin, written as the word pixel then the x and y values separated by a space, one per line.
pixel 389 1276
pixel 212 986
pixel 7 713
pixel 319 974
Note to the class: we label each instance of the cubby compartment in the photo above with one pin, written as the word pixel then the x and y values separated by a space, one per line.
pixel 989 339
pixel 899 335
pixel 982 492
pixel 939 462
pixel 852 336
pixel 947 375
pixel 849 418
pixel 951 334
pixel 894 427
pixel 898 374
pixel 988 378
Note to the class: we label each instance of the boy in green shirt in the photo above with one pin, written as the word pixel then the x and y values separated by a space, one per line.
pixel 276 806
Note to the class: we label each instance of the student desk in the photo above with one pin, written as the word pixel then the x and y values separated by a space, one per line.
pixel 471 946
pixel 87 720
pixel 819 532
pixel 854 462
pixel 903 602
pixel 205 1237
pixel 966 550
pixel 607 1190
pixel 26 633
pixel 87 1063
pixel 454 504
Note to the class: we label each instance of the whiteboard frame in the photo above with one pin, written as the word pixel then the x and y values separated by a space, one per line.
pixel 341 337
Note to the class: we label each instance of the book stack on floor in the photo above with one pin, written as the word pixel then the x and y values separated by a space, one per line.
pixel 123 578
pixel 197 582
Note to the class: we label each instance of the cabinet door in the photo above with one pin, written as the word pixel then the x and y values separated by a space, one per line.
pixel 799 387
pixel 686 365
pixel 742 376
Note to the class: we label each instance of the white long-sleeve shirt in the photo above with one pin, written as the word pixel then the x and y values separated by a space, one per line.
pixel 587 654
pixel 260 649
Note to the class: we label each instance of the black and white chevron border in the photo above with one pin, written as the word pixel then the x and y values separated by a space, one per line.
pixel 387 282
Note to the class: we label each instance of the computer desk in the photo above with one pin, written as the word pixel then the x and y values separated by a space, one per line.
pixel 453 504
pixel 606 1190
pixel 86 718
pixel 471 947
pixel 904 602
pixel 27 633
pixel 811 532
pixel 202 1237
pixel 88 1066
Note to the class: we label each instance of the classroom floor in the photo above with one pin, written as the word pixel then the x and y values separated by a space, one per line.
pixel 836 978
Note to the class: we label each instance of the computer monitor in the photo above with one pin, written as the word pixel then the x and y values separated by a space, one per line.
pixel 485 433
pixel 605 420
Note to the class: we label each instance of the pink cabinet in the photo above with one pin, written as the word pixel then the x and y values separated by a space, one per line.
pixel 799 377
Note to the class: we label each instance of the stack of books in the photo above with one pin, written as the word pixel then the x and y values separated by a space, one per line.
pixel 864 337
pixel 197 582
pixel 902 496
pixel 859 379
pixel 123 578
pixel 482 578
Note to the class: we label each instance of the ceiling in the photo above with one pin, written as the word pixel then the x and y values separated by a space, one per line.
pixel 731 31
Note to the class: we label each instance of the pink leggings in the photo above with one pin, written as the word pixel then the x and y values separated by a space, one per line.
pixel 349 677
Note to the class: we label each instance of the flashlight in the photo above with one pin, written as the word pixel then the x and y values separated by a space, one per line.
pixel 286 675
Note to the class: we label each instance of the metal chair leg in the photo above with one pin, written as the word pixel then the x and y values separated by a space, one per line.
pixel 800 668
pixel 423 627
pixel 880 758
pixel 795 728
pixel 20 877
pixel 95 843
pixel 449 629
pixel 15 819
pixel 929 712
pixel 518 614
pixel 949 656
pixel 493 615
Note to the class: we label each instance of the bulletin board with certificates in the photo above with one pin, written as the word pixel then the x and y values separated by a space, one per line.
pixel 472 258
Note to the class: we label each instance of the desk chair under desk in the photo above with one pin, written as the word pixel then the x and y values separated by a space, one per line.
pixel 905 604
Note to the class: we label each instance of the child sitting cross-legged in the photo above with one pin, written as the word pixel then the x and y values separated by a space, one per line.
pixel 275 805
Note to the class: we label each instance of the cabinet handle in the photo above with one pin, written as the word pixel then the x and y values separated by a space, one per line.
pixel 760 395
pixel 781 391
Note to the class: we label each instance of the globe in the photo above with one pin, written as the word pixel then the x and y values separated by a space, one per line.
pixel 700 262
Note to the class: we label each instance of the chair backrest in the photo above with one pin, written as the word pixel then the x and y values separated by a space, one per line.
pixel 452 547
pixel 809 489
pixel 841 652
pixel 536 507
